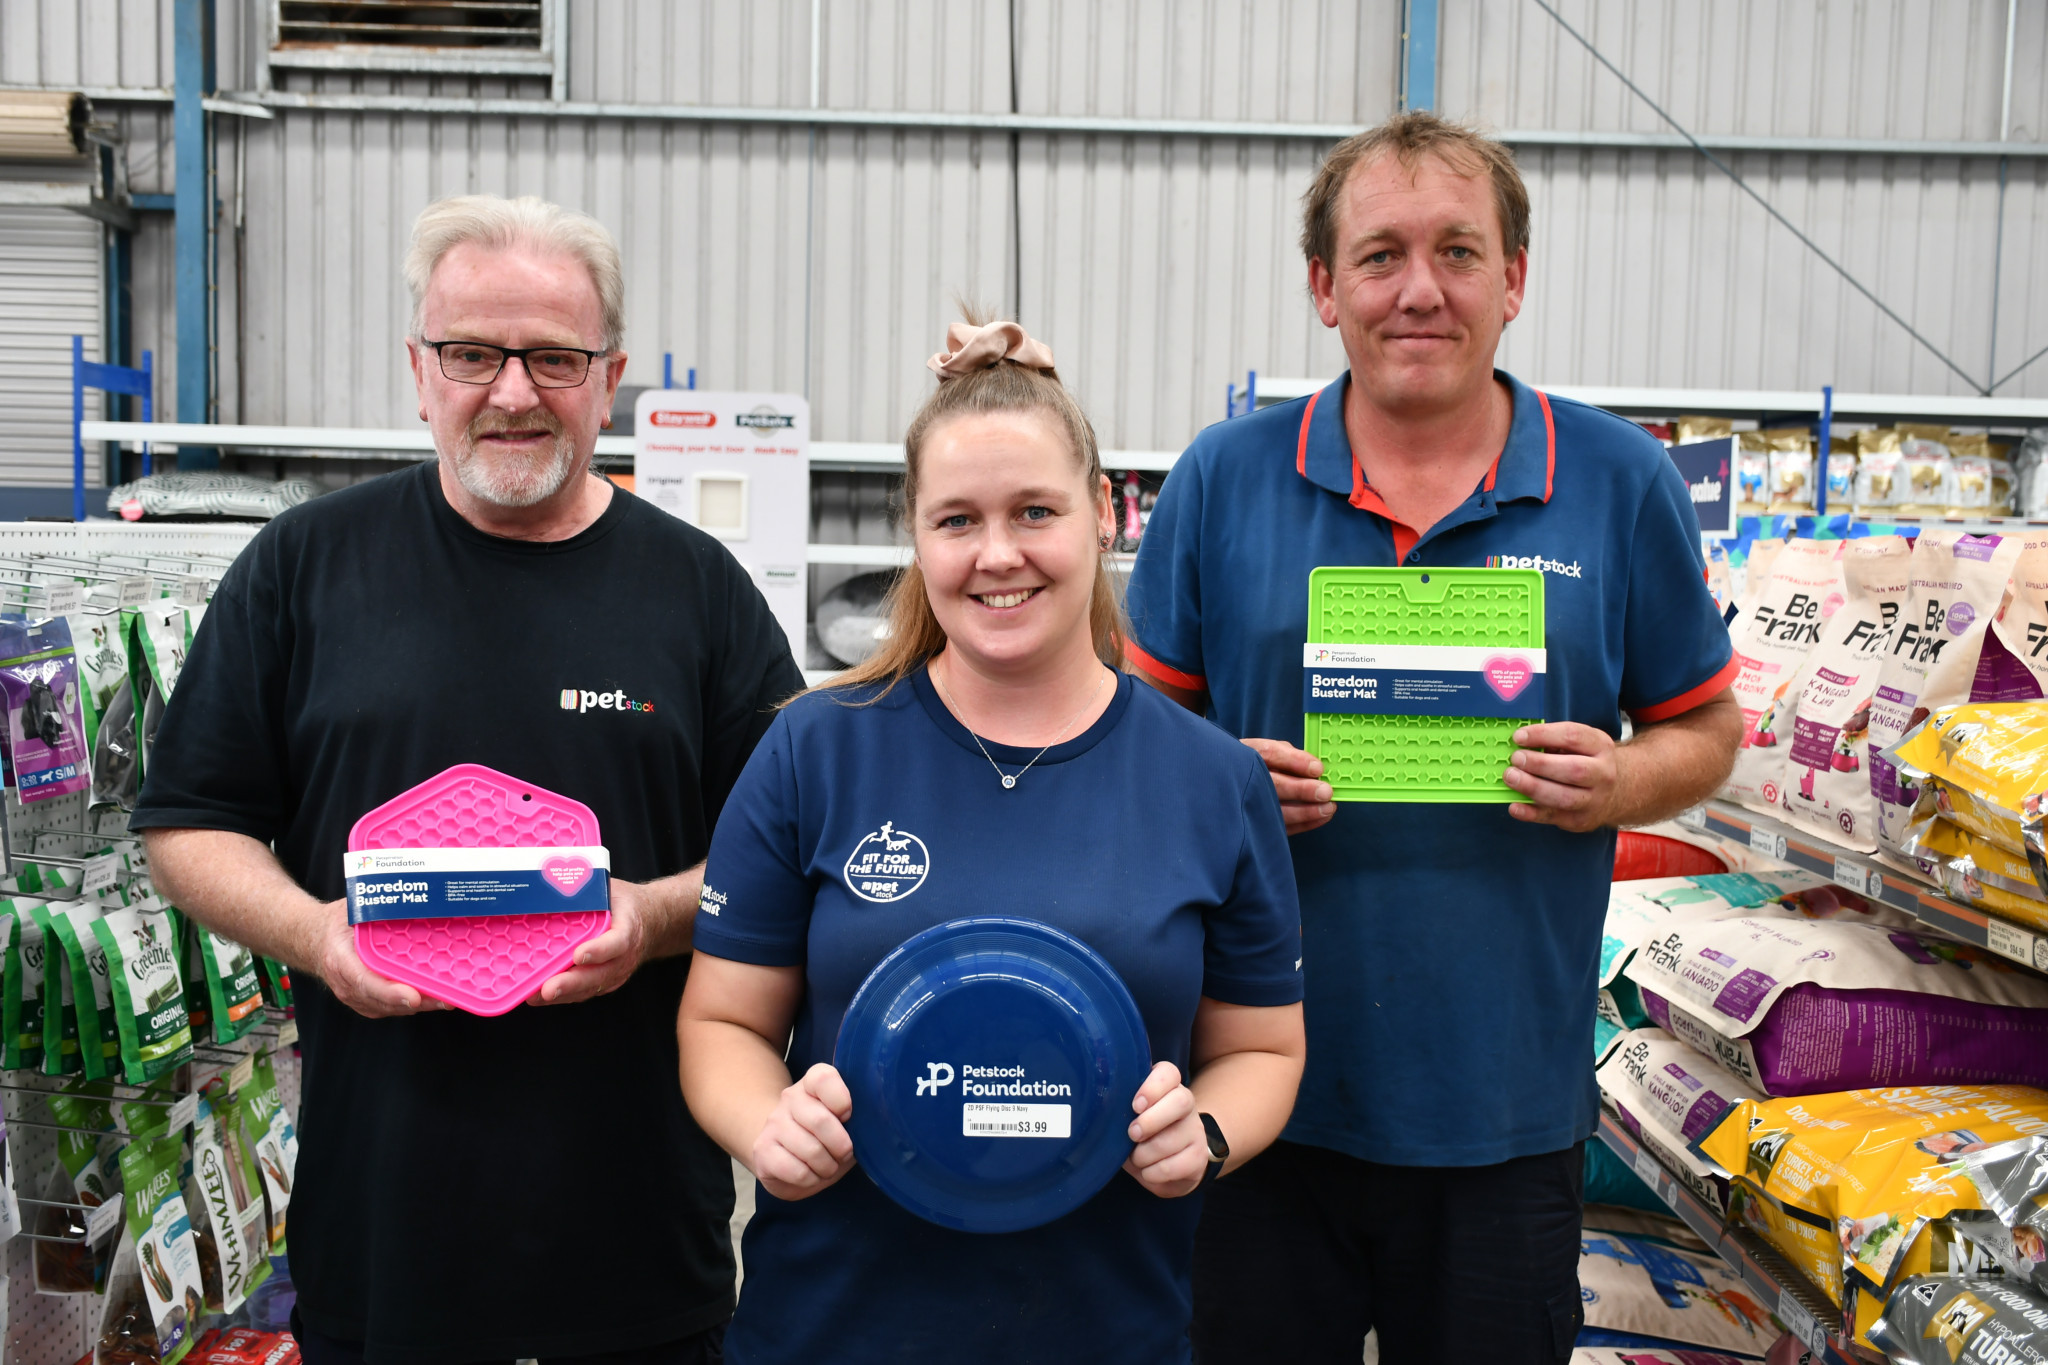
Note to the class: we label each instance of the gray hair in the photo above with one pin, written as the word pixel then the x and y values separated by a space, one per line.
pixel 528 221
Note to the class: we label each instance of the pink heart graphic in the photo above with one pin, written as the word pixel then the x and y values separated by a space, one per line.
pixel 1508 675
pixel 566 875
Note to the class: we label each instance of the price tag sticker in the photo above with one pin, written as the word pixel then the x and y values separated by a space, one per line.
pixel 1767 842
pixel 184 1111
pixel 1650 1171
pixel 1854 876
pixel 102 1219
pixel 288 1033
pixel 241 1073
pixel 64 598
pixel 100 871
pixel 2009 940
pixel 136 591
pixel 1696 818
pixel 191 591
pixel 1800 1322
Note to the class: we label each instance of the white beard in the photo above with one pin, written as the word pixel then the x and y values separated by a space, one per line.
pixel 513 480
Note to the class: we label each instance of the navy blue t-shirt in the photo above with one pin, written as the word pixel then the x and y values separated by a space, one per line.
pixel 1152 836
pixel 1451 951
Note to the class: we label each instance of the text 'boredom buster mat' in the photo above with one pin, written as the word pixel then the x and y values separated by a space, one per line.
pixel 1414 681
pixel 477 928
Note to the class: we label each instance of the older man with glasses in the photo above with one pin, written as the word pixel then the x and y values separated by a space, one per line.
pixel 530 1185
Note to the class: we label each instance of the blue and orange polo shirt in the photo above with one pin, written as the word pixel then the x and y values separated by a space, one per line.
pixel 1449 951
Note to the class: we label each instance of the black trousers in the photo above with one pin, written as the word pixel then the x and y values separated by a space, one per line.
pixel 705 1348
pixel 1303 1250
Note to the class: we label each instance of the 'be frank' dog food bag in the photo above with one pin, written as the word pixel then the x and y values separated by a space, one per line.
pixel 2001 657
pixel 1956 579
pixel 1825 787
pixel 1772 640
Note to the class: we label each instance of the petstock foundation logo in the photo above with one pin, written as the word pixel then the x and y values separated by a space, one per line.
pixel 682 419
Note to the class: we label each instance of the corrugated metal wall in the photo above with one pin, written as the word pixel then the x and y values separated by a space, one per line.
pixel 1158 268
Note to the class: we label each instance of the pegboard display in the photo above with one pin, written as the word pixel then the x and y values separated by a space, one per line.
pixel 75 847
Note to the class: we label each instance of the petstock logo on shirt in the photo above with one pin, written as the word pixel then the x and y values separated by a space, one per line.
pixel 1556 566
pixel 580 700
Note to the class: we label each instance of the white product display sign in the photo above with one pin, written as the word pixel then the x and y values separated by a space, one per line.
pixel 736 465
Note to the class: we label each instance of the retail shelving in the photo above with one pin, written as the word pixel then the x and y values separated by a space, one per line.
pixel 1800 1308
pixel 1867 876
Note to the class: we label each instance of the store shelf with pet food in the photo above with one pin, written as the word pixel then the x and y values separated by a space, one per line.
pixel 1979 526
pixel 1865 875
pixel 1800 1308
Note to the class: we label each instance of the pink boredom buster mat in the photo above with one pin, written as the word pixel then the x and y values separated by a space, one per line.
pixel 485 964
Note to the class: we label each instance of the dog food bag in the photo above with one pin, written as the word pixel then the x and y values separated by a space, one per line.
pixel 1642 1287
pixel 2003 656
pixel 1989 761
pixel 1791 467
pixel 1825 786
pixel 1925 464
pixel 21 986
pixel 1757 561
pixel 1978 872
pixel 1969 1321
pixel 1652 1355
pixel 2012 1181
pixel 1636 910
pixel 1653 1074
pixel 1797 1007
pixel 1752 474
pixel 147 995
pixel 1874 1173
pixel 1956 578
pixel 165 1252
pixel 1805 589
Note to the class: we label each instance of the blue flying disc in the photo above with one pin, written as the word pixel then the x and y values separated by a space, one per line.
pixel 992 1064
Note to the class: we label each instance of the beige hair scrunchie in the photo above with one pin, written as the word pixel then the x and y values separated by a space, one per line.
pixel 970 348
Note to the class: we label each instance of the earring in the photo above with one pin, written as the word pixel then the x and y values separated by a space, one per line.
pixel 1102 543
pixel 607 421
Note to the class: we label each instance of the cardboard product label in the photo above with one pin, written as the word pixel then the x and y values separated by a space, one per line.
pixel 1422 680
pixel 461 883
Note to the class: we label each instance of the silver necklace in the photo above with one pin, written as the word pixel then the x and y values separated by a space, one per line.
pixel 1010 779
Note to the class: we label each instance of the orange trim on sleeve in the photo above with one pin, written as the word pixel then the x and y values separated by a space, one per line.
pixel 1550 441
pixel 1163 672
pixel 1301 446
pixel 1687 700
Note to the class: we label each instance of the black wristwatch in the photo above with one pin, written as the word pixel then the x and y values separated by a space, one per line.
pixel 1219 1148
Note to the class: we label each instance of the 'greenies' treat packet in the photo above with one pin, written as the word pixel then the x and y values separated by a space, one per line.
pixel 277 984
pixel 274 1143
pixel 21 987
pixel 149 1116
pixel 234 985
pixel 146 997
pixel 84 1173
pixel 83 963
pixel 60 1019
pixel 224 1191
pixel 165 1253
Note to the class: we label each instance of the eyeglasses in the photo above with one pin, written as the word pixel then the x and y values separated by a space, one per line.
pixel 549 367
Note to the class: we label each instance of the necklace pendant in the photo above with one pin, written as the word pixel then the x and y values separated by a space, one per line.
pixel 1009 780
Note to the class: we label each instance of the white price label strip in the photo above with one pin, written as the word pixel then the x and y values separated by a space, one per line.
pixel 102 1219
pixel 184 1111
pixel 2009 940
pixel 1767 843
pixel 1016 1120
pixel 100 871
pixel 64 598
pixel 1854 876
pixel 1800 1322
pixel 134 592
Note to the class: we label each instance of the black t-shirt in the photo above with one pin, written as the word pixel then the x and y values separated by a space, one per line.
pixel 528 1185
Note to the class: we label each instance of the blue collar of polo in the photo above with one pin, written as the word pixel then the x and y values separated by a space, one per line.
pixel 1526 469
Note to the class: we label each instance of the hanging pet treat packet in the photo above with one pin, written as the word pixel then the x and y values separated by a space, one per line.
pixel 1804 590
pixel 21 987
pixel 67 1262
pixel 1967 1321
pixel 225 1192
pixel 1639 910
pixel 1752 474
pixel 147 998
pixel 1825 785
pixel 233 1003
pixel 1791 466
pixel 1639 1287
pixel 277 983
pixel 1796 1007
pixel 1874 1172
pixel 272 1141
pixel 47 755
pixel 97 638
pixel 1956 578
pixel 1925 464
pixel 83 962
pixel 165 1253
pixel 61 1052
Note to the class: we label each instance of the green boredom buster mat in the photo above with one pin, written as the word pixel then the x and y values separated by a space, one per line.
pixel 1415 680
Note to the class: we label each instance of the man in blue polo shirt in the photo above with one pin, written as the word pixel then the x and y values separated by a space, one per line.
pixel 1429 1185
